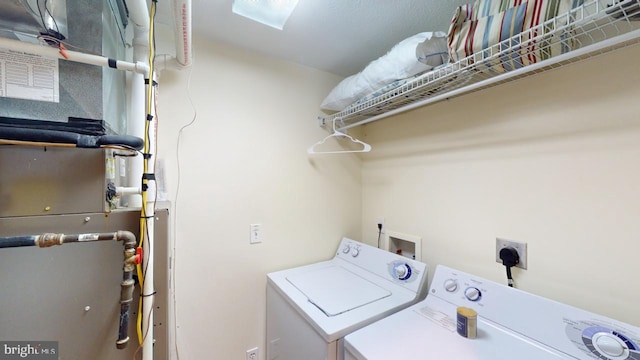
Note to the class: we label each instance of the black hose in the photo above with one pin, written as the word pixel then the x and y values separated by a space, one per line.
pixel 17 241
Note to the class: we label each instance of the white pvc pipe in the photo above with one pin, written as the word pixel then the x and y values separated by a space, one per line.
pixel 182 17
pixel 139 15
pixel 122 190
pixel 22 46
pixel 135 127
pixel 148 289
pixel 150 205
pixel 137 111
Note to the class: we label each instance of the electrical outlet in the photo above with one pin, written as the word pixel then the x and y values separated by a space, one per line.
pixel 252 354
pixel 521 248
pixel 380 221
pixel 273 351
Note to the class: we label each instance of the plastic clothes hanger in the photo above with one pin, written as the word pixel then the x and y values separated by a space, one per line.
pixel 336 133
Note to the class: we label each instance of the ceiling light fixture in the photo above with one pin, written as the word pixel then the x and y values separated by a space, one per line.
pixel 273 13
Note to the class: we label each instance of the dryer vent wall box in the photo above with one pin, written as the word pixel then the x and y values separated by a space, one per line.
pixel 310 309
pixel 409 246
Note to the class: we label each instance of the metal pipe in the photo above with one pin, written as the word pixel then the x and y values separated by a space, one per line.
pixel 126 297
pixel 51 239
pixel 130 259
pixel 126 289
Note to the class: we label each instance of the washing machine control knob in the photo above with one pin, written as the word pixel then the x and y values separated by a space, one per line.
pixel 451 285
pixel 355 252
pixel 608 345
pixel 346 249
pixel 402 270
pixel 472 294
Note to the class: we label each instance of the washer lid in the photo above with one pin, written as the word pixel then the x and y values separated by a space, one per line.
pixel 336 290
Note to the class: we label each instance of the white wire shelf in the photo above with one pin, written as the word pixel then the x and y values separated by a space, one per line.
pixel 591 29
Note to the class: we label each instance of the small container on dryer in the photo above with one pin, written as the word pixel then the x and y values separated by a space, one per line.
pixel 467 322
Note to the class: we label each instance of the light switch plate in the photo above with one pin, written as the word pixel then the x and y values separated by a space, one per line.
pixel 256 234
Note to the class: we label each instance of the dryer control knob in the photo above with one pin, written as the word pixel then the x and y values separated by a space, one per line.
pixel 346 249
pixel 451 285
pixel 472 294
pixel 608 344
pixel 355 252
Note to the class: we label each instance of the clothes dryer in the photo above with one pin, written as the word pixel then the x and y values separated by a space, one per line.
pixel 511 324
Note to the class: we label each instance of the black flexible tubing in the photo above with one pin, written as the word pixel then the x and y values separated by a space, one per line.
pixel 509 277
pixel 17 241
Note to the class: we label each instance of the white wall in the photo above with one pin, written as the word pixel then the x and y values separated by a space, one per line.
pixel 552 160
pixel 244 161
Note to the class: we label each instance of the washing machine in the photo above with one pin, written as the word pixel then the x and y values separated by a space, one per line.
pixel 310 309
pixel 511 324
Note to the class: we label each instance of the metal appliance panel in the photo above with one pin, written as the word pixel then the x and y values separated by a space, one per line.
pixel 47 181
pixel 71 293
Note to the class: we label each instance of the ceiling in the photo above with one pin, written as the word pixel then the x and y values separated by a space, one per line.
pixel 336 36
